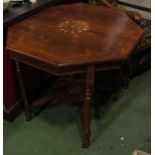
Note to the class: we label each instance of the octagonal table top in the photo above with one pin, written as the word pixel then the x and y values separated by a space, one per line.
pixel 75 34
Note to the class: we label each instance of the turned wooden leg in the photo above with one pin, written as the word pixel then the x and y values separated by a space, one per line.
pixel 126 71
pixel 23 92
pixel 86 106
pixel 116 92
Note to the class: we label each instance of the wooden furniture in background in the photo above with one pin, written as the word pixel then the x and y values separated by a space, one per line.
pixel 73 39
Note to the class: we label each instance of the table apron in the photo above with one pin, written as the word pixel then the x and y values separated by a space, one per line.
pixel 68 70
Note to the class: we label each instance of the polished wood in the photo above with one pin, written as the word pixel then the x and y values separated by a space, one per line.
pixel 23 92
pixel 125 73
pixel 132 14
pixel 86 107
pixel 12 95
pixel 73 39
pixel 38 41
pixel 43 100
pixel 140 60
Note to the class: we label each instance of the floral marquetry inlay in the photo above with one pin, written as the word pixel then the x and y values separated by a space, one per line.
pixel 73 26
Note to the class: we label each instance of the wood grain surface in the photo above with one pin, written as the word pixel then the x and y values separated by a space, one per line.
pixel 111 35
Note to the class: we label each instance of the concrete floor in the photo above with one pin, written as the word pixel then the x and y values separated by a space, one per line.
pixel 56 130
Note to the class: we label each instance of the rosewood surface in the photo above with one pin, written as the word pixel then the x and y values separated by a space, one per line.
pixel 69 39
pixel 11 92
pixel 111 35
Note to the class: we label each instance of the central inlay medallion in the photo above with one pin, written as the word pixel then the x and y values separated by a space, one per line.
pixel 73 26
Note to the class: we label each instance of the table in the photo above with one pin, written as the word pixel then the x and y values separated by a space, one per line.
pixel 73 39
pixel 11 17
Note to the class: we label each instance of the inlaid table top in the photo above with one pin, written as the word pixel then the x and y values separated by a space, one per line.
pixel 73 35
pixel 69 39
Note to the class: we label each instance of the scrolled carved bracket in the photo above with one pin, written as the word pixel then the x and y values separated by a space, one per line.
pixel 133 15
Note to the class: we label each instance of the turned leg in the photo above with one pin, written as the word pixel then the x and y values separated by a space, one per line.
pixel 23 92
pixel 86 106
pixel 126 72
